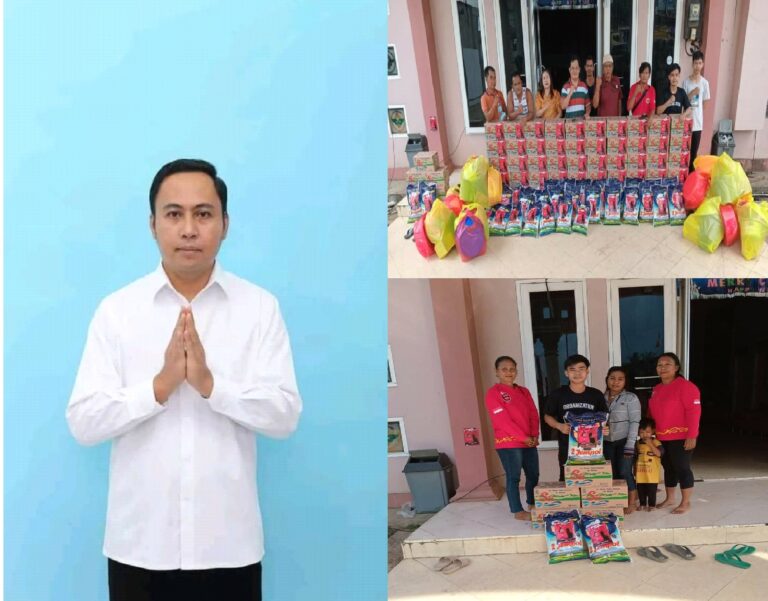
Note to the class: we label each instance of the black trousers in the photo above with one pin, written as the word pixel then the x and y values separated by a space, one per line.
pixel 695 140
pixel 129 583
pixel 677 464
pixel 646 494
pixel 562 455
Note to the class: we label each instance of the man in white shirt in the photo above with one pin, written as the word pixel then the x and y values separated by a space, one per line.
pixel 697 89
pixel 180 368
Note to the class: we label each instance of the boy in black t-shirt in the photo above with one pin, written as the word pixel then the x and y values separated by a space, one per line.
pixel 673 100
pixel 576 397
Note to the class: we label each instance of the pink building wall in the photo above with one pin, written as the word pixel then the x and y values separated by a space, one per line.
pixel 405 90
pixel 419 396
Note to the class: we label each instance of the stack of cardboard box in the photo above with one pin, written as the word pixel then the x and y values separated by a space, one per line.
pixel 554 149
pixel 616 147
pixel 679 145
pixel 426 167
pixel 597 150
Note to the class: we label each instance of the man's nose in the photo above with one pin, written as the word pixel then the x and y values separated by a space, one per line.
pixel 189 227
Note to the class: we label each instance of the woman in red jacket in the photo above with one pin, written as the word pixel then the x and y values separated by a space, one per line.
pixel 516 431
pixel 675 404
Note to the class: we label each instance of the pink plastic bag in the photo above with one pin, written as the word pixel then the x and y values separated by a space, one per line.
pixel 423 245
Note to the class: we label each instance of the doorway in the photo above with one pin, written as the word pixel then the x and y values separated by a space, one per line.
pixel 729 363
pixel 557 44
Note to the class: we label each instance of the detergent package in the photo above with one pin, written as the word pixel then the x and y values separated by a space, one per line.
pixel 612 203
pixel 646 202
pixel 555 191
pixel 563 535
pixel 677 212
pixel 660 205
pixel 585 440
pixel 547 221
pixel 415 208
pixel 529 213
pixel 631 205
pixel 428 193
pixel 515 220
pixel 594 200
pixel 499 219
pixel 564 215
pixel 580 217
pixel 603 538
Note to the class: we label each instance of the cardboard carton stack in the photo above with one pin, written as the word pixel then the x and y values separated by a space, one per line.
pixel 596 148
pixel 554 149
pixel 426 167
pixel 616 147
pixel 550 497
pixel 679 146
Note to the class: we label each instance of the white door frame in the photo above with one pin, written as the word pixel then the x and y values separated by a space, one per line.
pixel 524 288
pixel 614 319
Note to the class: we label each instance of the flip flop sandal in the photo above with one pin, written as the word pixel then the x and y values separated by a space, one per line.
pixel 455 565
pixel 680 550
pixel 442 563
pixel 741 549
pixel 652 553
pixel 731 559
pixel 409 234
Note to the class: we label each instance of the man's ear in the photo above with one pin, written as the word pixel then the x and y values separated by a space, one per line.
pixel 226 226
pixel 152 226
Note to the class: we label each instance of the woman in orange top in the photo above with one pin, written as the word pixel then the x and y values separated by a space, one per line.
pixel 547 99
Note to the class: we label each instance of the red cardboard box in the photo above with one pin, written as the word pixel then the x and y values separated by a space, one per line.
pixel 554 128
pixel 595 145
pixel 636 159
pixel 614 160
pixel 574 128
pixel 636 144
pixel 636 127
pixel 654 172
pixel 657 142
pixel 616 144
pixel 656 159
pixel 594 128
pixel 658 125
pixel 556 146
pixel 615 126
pixel 536 146
pixel 573 145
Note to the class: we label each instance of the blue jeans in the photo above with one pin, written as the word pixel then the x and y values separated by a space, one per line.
pixel 620 465
pixel 513 461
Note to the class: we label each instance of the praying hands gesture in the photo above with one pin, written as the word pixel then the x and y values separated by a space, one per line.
pixel 184 360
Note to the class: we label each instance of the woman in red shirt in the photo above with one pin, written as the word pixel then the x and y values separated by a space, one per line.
pixel 675 404
pixel 642 96
pixel 515 423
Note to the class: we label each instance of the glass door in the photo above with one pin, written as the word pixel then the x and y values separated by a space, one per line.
pixel 664 28
pixel 621 43
pixel 553 326
pixel 642 326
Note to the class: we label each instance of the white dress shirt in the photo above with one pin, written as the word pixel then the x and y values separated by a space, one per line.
pixel 182 486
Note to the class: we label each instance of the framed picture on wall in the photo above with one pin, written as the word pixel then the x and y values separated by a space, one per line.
pixel 397 444
pixel 392 70
pixel 398 124
pixel 391 379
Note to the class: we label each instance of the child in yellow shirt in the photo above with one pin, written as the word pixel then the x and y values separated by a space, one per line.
pixel 647 464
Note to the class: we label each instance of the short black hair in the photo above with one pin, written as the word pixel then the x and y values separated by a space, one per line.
pixel 487 70
pixel 674 358
pixel 516 74
pixel 574 360
pixel 647 422
pixel 188 166
pixel 503 358
pixel 616 368
pixel 644 66
pixel 589 58
pixel 673 67
pixel 697 55
pixel 574 58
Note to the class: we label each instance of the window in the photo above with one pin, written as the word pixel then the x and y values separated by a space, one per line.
pixel 392 71
pixel 398 124
pixel 470 48
pixel 397 444
pixel 620 41
pixel 391 379
pixel 664 22
pixel 512 38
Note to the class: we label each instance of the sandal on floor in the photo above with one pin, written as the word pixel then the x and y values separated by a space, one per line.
pixel 455 565
pixel 442 563
pixel 652 553
pixel 741 549
pixel 680 550
pixel 731 559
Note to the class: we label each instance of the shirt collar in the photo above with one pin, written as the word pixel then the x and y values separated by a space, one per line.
pixel 158 280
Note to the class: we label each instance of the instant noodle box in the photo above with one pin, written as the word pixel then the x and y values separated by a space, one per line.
pixel 556 495
pixel 605 497
pixel 430 160
pixel 657 142
pixel 658 125
pixel 636 159
pixel 535 146
pixel 534 128
pixel 589 475
pixel 574 129
pixel 554 128
pixel 616 144
pixel 636 127
pixel 574 146
pixel 657 159
pixel 554 146
pixel 615 126
pixel 594 128
pixel 595 145
pixel 636 144
pixel 614 161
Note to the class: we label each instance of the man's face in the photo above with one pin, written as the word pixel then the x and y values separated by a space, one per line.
pixel 698 65
pixel 490 80
pixel 577 374
pixel 607 70
pixel 645 75
pixel 188 224
pixel 674 78
pixel 574 70
pixel 589 67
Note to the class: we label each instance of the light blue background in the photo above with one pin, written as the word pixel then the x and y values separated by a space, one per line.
pixel 287 100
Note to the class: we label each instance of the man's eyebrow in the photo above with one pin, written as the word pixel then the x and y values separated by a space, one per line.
pixel 173 205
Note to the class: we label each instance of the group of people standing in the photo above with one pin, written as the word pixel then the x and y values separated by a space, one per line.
pixel 635 445
pixel 601 95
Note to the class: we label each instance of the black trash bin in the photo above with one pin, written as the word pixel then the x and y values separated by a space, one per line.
pixel 722 139
pixel 416 143
pixel 430 477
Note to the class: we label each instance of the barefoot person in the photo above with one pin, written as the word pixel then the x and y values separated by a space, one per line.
pixel 623 421
pixel 516 432
pixel 675 405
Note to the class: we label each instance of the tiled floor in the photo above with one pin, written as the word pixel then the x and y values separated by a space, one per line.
pixel 528 577
pixel 723 510
pixel 608 251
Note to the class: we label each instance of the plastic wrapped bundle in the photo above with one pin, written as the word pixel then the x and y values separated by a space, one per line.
pixel 729 181
pixel 753 225
pixel 439 227
pixel 564 538
pixel 474 181
pixel 601 533
pixel 585 440
pixel 705 227
pixel 471 232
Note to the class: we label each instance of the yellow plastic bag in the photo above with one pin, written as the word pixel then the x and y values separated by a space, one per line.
pixel 704 163
pixel 728 181
pixel 753 226
pixel 705 227
pixel 494 186
pixel 439 226
pixel 474 181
